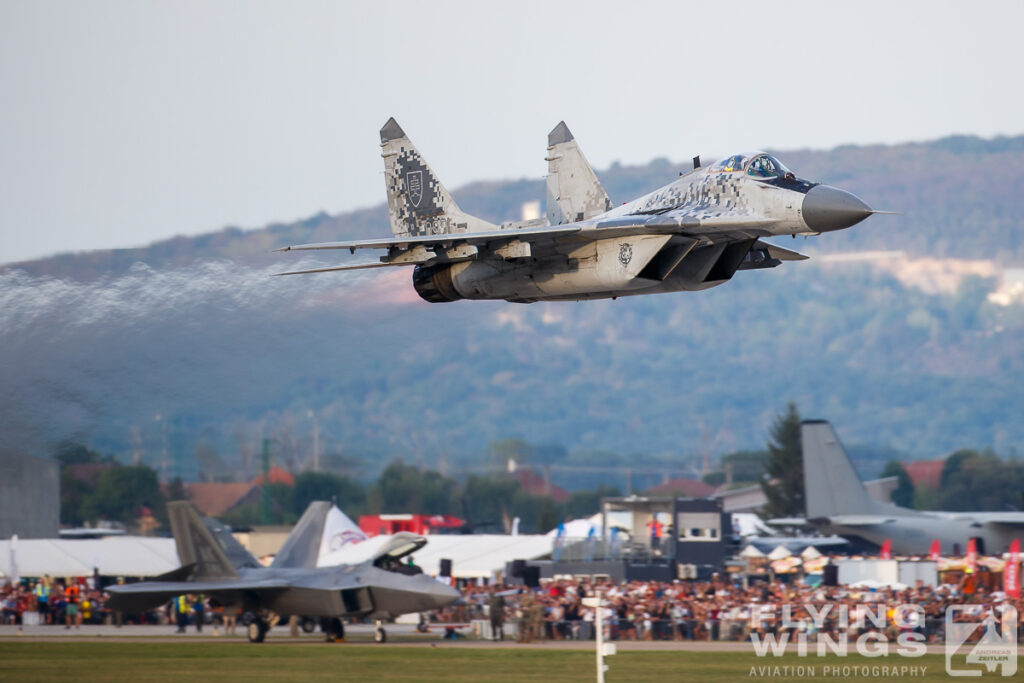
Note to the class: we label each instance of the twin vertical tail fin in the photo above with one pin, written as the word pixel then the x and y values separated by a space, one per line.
pixel 418 204
pixel 197 546
pixel 302 546
pixel 574 192
pixel 831 485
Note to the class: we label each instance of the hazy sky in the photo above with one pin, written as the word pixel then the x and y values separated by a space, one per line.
pixel 126 122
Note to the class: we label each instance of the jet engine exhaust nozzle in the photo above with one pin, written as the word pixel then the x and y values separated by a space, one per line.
pixel 828 208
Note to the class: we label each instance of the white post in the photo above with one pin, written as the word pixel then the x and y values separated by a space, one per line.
pixel 600 638
pixel 598 604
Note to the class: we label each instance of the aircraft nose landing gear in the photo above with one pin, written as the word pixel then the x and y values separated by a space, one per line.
pixel 257 630
pixel 379 634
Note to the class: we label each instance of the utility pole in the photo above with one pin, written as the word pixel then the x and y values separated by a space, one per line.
pixel 163 447
pixel 266 481
pixel 316 441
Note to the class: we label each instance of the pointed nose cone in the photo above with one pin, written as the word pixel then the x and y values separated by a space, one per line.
pixel 829 208
pixel 442 594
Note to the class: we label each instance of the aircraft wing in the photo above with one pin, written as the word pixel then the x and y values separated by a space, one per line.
pixel 788 521
pixel 208 586
pixel 133 597
pixel 452 247
pixel 444 239
pixel 859 520
pixel 1001 518
pixel 684 221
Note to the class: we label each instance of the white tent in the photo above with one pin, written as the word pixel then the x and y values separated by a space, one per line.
pixel 781 552
pixel 479 555
pixel 473 555
pixel 113 556
pixel 751 551
pixel 810 553
pixel 578 528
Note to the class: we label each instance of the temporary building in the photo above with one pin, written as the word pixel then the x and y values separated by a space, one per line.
pixel 113 556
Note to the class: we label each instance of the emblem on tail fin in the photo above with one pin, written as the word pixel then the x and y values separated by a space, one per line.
pixel 418 204
pixel 414 184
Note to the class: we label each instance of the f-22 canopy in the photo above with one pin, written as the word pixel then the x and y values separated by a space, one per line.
pixel 692 234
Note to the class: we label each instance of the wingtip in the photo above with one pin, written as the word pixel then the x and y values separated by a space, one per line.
pixel 559 134
pixel 391 131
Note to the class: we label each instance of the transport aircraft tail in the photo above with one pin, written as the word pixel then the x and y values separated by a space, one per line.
pixel 418 204
pixel 831 485
pixel 574 193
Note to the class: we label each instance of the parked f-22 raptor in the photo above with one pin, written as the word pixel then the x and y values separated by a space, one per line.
pixel 216 565
pixel 691 234
pixel 838 503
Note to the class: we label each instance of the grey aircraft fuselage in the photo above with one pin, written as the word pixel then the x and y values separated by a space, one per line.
pixel 691 257
pixel 691 234
pixel 355 590
pixel 838 503
pixel 215 565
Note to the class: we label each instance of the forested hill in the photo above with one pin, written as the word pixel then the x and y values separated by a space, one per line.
pixel 962 197
pixel 188 346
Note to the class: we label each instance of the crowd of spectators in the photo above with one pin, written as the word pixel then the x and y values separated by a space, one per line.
pixel 637 610
pixel 718 610
pixel 68 602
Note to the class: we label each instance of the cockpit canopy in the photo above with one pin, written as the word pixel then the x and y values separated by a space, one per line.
pixel 757 165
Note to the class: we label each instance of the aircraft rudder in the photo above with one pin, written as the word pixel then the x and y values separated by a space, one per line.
pixel 302 546
pixel 196 544
pixel 831 484
pixel 559 134
pixel 418 203
pixel 573 191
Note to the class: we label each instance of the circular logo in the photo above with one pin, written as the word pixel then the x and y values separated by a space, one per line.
pixel 625 253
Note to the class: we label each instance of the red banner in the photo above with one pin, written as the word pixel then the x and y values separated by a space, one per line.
pixel 887 550
pixel 933 552
pixel 1011 573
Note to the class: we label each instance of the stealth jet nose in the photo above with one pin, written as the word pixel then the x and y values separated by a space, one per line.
pixel 828 208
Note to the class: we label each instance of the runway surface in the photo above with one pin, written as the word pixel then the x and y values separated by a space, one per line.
pixel 355 635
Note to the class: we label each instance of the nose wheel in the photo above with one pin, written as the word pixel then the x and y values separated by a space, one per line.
pixel 257 630
pixel 379 634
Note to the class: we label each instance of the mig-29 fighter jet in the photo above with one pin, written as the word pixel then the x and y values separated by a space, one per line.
pixel 692 234
pixel 216 565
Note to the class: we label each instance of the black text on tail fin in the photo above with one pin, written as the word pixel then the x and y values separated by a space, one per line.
pixel 196 545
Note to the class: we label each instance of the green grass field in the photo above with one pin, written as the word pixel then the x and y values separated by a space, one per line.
pixel 99 661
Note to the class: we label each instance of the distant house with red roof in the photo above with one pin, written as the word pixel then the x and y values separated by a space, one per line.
pixel 686 488
pixel 277 475
pixel 925 473
pixel 215 499
pixel 535 484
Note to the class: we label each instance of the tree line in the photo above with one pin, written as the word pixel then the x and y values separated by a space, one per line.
pixel 105 489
